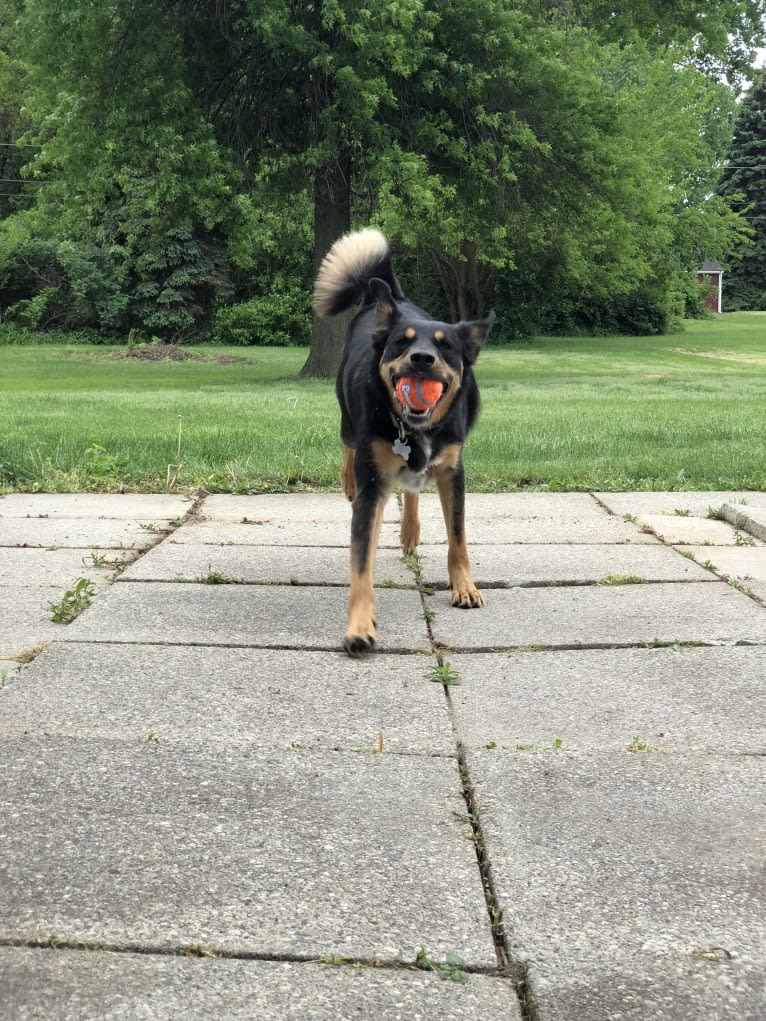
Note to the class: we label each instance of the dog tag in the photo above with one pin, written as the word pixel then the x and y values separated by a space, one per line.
pixel 401 448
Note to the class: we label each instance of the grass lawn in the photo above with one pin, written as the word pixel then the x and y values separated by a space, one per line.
pixel 686 411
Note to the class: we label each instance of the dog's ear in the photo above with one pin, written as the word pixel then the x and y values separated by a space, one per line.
pixel 473 335
pixel 388 310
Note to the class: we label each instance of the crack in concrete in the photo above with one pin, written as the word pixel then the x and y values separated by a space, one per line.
pixel 148 949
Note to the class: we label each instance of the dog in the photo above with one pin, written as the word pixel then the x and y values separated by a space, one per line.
pixel 408 398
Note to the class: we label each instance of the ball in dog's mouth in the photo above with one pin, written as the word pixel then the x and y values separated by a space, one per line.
pixel 418 394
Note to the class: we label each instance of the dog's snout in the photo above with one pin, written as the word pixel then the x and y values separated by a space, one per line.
pixel 422 359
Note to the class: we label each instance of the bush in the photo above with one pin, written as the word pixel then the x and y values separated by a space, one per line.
pixel 167 290
pixel 47 284
pixel 274 320
pixel 174 283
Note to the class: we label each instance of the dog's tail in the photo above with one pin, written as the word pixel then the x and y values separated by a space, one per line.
pixel 346 271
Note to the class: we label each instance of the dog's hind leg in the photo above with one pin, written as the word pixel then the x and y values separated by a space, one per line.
pixel 450 480
pixel 410 530
pixel 347 476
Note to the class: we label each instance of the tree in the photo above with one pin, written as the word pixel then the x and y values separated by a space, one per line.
pixel 719 39
pixel 207 153
pixel 743 184
pixel 354 103
pixel 137 176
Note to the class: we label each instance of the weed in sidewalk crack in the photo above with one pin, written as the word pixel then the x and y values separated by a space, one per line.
pixel 30 654
pixel 443 673
pixel 73 602
pixel 451 968
pixel 413 561
pixel 640 745
pixel 743 540
pixel 214 578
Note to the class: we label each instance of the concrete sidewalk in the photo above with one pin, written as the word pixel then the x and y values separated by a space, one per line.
pixel 208 812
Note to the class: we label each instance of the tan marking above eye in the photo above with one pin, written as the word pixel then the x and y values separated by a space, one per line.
pixel 410 333
pixel 439 335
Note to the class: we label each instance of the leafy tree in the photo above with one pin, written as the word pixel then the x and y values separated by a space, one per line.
pixel 525 154
pixel 137 174
pixel 719 38
pixel 13 194
pixel 743 184
pixel 402 113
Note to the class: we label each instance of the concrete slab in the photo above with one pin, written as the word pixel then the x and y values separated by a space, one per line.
pixel 230 698
pixel 277 533
pixel 237 851
pixel 293 507
pixel 706 985
pixel 299 565
pixel 25 619
pixel 520 505
pixel 60 985
pixel 551 530
pixel 130 506
pixel 691 699
pixel 531 518
pixel 744 562
pixel 679 531
pixel 9 669
pixel 758 589
pixel 610 615
pixel 537 564
pixel 613 868
pixel 251 615
pixel 697 504
pixel 749 518
pixel 59 568
pixel 81 533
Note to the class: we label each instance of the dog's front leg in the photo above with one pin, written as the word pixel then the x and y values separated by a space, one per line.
pixel 366 519
pixel 450 480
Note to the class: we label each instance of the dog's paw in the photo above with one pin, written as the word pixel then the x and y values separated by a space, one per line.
pixel 349 488
pixel 466 597
pixel 410 543
pixel 357 644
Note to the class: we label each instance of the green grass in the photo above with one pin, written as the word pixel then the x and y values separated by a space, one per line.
pixel 561 414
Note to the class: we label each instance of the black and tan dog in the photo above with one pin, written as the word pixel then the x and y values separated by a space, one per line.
pixel 390 438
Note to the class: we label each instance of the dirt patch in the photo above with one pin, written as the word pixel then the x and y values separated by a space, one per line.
pixel 723 356
pixel 175 353
pixel 161 353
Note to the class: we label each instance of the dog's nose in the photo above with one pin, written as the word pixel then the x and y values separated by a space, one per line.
pixel 421 359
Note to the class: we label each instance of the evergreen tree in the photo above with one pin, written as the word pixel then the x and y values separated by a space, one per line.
pixel 744 184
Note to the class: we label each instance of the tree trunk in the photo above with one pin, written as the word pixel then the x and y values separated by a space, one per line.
pixel 463 281
pixel 332 218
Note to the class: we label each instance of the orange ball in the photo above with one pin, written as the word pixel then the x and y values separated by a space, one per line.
pixel 417 393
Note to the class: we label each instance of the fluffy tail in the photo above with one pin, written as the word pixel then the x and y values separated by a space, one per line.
pixel 347 269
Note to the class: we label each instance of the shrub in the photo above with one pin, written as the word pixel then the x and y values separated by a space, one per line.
pixel 47 284
pixel 275 320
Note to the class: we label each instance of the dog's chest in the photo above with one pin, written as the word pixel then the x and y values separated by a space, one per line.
pixel 416 472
